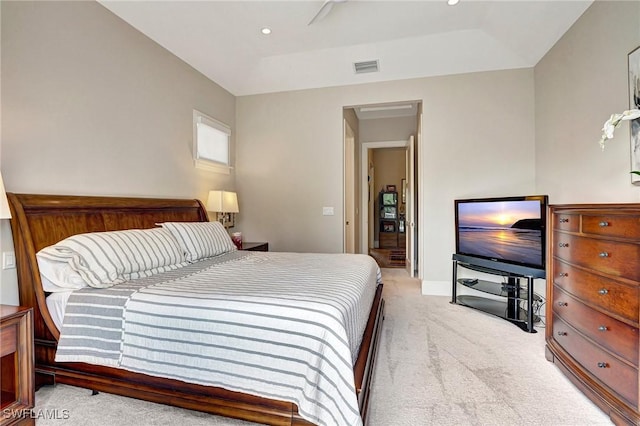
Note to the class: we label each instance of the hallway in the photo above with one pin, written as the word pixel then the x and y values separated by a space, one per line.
pixel 389 258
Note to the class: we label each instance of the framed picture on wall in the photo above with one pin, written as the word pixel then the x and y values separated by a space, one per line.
pixel 634 102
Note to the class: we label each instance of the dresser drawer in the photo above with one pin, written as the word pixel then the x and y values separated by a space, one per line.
pixel 614 335
pixel 566 222
pixel 615 374
pixel 617 298
pixel 612 226
pixel 613 258
pixel 8 339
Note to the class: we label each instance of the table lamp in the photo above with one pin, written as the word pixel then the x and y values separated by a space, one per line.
pixel 225 204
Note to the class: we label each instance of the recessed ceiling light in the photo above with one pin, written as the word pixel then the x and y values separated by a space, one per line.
pixel 452 2
pixel 266 31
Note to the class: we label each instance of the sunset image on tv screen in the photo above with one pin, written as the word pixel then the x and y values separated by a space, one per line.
pixel 501 230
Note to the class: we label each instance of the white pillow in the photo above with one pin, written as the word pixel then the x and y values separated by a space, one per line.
pixel 103 259
pixel 58 276
pixel 201 240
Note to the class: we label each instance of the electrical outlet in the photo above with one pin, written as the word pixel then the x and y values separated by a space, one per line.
pixel 8 260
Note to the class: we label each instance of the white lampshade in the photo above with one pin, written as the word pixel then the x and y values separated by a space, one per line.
pixel 222 202
pixel 5 213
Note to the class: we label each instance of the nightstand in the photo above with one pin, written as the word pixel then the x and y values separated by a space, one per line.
pixel 17 394
pixel 255 246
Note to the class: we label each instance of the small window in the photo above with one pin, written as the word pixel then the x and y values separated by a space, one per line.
pixel 211 143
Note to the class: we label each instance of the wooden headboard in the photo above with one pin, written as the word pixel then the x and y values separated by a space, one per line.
pixel 38 221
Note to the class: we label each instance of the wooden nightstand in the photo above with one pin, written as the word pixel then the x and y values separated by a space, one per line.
pixel 17 381
pixel 255 246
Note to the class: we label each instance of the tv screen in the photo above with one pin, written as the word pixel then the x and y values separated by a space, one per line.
pixel 509 229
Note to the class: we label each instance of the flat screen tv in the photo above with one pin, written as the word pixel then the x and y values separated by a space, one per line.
pixel 506 233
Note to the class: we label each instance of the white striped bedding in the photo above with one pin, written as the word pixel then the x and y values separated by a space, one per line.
pixel 284 326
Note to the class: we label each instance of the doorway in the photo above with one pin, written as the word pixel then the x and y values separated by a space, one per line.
pixel 379 128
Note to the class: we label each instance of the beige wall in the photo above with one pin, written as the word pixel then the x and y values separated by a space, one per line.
pixel 578 85
pixel 389 166
pixel 290 156
pixel 92 106
pixel 388 129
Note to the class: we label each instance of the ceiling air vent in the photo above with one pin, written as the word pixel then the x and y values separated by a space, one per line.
pixel 366 66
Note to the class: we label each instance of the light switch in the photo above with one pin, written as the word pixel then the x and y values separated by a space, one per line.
pixel 8 260
pixel 327 211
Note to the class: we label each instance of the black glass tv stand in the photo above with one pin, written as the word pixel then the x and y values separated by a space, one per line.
pixel 518 302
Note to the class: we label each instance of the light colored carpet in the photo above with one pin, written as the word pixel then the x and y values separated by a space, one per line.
pixel 439 364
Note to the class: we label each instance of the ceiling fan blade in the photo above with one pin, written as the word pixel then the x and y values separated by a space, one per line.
pixel 322 12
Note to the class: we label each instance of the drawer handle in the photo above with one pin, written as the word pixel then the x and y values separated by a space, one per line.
pixel 563 304
pixel 602 365
pixel 563 274
pixel 604 254
pixel 563 245
pixel 562 333
pixel 564 220
pixel 603 328
pixel 603 291
pixel 603 224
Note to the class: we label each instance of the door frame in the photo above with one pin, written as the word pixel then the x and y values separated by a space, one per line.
pixel 364 195
pixel 349 184
pixel 410 213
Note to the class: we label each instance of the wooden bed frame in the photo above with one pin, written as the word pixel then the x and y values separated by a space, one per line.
pixel 42 220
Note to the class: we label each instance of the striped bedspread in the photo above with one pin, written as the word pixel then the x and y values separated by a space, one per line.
pixel 284 326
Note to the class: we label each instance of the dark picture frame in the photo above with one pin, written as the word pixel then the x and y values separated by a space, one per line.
pixel 634 103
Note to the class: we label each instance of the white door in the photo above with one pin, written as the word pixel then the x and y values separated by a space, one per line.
pixel 410 209
pixel 349 189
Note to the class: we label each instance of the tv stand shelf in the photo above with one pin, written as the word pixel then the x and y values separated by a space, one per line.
pixel 498 308
pixel 499 289
pixel 518 302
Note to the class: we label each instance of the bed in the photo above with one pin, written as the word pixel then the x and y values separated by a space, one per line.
pixel 41 221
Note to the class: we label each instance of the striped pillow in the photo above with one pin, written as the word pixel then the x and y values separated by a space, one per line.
pixel 103 259
pixel 200 240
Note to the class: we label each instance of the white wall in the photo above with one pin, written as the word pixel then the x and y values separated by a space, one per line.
pixel 478 140
pixel 578 85
pixel 92 106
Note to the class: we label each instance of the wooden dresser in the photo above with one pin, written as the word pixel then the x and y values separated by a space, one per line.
pixel 593 281
pixel 17 375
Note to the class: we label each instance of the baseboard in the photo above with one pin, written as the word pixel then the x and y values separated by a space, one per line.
pixel 436 288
